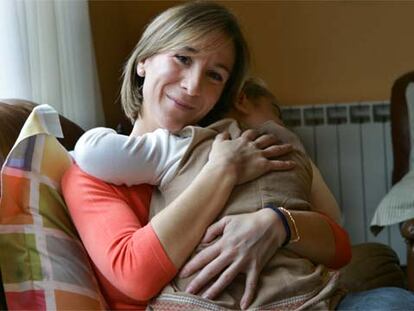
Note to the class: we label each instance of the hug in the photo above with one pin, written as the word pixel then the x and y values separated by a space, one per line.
pixel 210 202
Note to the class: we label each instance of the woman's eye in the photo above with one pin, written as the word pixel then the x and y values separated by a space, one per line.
pixel 183 59
pixel 216 76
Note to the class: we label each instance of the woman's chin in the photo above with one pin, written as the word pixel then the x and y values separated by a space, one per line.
pixel 174 127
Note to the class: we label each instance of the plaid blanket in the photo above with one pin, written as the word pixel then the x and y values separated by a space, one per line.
pixel 43 263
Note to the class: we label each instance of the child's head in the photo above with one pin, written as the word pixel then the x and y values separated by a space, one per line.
pixel 255 105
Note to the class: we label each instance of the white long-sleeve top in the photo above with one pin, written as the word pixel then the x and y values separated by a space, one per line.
pixel 152 158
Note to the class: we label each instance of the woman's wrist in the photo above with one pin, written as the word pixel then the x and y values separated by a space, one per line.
pixel 277 229
pixel 286 221
pixel 294 231
pixel 221 169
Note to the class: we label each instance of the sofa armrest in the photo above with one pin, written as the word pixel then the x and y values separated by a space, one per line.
pixel 373 265
pixel 13 114
pixel 407 231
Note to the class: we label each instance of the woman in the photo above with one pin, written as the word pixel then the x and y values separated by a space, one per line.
pixel 188 65
pixel 189 59
pixel 172 170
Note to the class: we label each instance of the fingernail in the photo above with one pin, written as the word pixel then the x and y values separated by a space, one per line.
pixel 206 296
pixel 190 290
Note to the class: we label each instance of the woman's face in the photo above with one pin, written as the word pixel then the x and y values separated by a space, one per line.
pixel 182 86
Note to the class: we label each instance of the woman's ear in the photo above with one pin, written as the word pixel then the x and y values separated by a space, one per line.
pixel 141 69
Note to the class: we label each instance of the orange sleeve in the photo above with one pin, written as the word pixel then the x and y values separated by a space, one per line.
pixel 112 222
pixel 343 252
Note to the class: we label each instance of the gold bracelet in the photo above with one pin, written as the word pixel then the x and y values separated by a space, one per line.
pixel 293 222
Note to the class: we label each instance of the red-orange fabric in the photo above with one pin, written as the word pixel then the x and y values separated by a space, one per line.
pixel 129 260
pixel 343 252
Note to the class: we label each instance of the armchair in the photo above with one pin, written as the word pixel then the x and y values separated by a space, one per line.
pixel 401 143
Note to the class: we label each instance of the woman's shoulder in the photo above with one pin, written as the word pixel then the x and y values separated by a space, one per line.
pixel 75 182
pixel 79 184
pixel 76 176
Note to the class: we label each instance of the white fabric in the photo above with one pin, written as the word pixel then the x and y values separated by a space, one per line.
pixel 47 56
pixel 152 158
pixel 398 204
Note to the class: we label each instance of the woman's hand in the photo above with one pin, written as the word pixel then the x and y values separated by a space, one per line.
pixel 230 162
pixel 244 244
pixel 249 156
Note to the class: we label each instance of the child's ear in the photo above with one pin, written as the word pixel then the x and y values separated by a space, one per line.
pixel 242 104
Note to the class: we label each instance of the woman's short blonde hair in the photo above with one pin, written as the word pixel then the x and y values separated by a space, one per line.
pixel 181 26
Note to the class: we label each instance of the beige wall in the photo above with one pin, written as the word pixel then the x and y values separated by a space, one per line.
pixel 307 51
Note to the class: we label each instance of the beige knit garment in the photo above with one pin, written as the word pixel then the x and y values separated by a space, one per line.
pixel 287 281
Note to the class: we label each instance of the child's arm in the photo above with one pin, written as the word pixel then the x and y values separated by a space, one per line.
pixel 151 158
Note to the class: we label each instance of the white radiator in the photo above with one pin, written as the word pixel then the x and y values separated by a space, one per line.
pixel 351 145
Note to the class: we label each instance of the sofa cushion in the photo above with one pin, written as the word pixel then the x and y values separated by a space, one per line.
pixel 13 114
pixel 43 263
pixel 373 265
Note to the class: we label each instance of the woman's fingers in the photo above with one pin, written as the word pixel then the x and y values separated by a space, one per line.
pixel 209 272
pixel 200 260
pixel 214 231
pixel 248 156
pixel 222 136
pixel 238 251
pixel 264 141
pixel 276 150
pixel 226 277
pixel 209 253
pixel 250 134
pixel 252 279
pixel 276 165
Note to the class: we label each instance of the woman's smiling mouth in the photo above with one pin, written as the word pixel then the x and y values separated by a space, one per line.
pixel 180 104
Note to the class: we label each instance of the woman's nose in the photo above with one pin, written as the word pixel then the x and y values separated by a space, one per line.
pixel 191 82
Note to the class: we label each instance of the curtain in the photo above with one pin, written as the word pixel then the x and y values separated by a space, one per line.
pixel 47 56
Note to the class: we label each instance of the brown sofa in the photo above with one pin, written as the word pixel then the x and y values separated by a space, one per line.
pixel 373 265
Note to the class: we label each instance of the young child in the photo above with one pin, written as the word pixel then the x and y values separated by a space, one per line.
pixel 287 277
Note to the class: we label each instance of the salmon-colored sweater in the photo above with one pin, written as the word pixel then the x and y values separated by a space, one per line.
pixel 112 222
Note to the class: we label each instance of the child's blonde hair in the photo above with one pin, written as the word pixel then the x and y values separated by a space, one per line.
pixel 255 88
